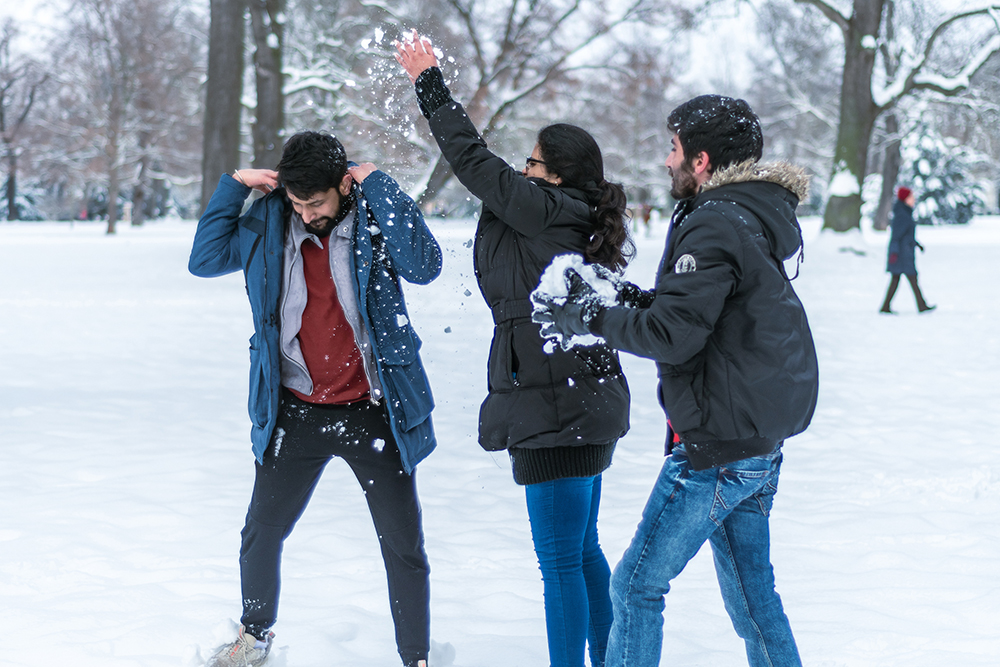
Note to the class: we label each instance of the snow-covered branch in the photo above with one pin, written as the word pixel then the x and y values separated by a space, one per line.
pixel 830 12
pixel 298 80
pixel 952 85
pixel 912 75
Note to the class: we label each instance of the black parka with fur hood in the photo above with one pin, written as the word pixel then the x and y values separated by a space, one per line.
pixel 736 360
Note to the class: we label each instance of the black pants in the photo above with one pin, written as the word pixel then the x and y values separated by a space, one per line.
pixel 307 436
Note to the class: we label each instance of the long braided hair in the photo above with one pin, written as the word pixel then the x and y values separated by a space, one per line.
pixel 571 153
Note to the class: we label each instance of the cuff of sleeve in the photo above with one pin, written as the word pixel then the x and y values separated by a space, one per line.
pixel 432 93
pixel 233 181
pixel 596 323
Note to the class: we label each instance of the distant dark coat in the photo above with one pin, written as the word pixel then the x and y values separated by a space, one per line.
pixel 537 399
pixel 902 241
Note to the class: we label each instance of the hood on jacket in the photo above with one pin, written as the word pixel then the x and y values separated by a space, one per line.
pixel 771 191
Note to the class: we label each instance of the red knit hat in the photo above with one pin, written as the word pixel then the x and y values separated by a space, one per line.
pixel 904 193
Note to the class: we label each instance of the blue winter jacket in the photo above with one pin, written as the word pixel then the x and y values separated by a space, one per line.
pixel 902 240
pixel 253 242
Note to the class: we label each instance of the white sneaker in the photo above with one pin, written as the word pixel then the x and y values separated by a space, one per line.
pixel 242 653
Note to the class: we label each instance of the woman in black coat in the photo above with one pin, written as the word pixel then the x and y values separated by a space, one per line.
pixel 902 250
pixel 557 413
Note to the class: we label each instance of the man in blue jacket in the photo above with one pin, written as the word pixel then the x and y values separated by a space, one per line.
pixel 334 368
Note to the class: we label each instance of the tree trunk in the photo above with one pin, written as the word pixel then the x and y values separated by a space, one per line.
pixel 890 156
pixel 223 89
pixel 890 171
pixel 113 188
pixel 111 151
pixel 11 186
pixel 857 119
pixel 268 33
pixel 440 175
pixel 139 193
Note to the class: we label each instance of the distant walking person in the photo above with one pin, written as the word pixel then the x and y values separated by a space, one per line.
pixel 902 244
pixel 334 370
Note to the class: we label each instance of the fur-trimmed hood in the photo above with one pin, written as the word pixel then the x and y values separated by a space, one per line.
pixel 788 176
pixel 770 191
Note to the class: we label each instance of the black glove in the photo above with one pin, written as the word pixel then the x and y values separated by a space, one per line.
pixel 567 320
pixel 571 318
pixel 631 295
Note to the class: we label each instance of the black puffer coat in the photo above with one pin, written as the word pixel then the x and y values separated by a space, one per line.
pixel 537 399
pixel 737 364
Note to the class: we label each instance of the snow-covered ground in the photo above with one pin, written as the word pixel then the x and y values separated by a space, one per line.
pixel 125 469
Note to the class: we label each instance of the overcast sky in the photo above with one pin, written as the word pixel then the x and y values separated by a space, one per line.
pixel 35 18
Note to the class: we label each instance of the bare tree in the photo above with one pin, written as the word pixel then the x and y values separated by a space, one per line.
pixel 223 90
pixel 863 98
pixel 20 80
pixel 106 59
pixel 792 90
pixel 625 106
pixel 129 81
pixel 267 21
pixel 517 49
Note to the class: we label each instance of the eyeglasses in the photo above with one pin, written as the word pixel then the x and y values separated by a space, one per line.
pixel 530 161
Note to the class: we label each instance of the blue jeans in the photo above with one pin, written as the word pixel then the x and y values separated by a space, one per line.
pixel 575 572
pixel 729 507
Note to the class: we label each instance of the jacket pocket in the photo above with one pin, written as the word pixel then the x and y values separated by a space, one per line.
pixel 398 347
pixel 501 367
pixel 682 395
pixel 260 394
pixel 409 392
pixel 525 361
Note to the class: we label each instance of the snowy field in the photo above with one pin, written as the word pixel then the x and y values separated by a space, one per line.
pixel 125 469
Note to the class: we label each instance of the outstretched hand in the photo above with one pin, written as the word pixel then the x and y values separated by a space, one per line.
pixel 415 55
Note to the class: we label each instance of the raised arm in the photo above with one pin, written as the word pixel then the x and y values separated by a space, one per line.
pixel 415 253
pixel 216 248
pixel 514 199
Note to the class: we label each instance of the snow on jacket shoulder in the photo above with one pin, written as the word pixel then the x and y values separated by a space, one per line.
pixel 736 359
pixel 227 241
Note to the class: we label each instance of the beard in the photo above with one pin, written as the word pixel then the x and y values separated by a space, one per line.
pixel 321 227
pixel 684 185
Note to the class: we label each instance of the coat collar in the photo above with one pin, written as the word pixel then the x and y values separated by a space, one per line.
pixel 786 175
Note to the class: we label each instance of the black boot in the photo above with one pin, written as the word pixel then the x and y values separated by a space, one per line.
pixel 893 284
pixel 922 306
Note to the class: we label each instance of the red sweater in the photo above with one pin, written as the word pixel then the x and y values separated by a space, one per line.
pixel 326 338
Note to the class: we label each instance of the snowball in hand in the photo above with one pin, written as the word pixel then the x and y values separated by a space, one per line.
pixel 554 288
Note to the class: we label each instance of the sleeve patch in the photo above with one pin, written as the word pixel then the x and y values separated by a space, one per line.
pixel 685 264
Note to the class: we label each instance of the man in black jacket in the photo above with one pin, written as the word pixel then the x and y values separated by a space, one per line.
pixel 738 375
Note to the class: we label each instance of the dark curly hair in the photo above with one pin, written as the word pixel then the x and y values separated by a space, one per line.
pixel 572 154
pixel 725 128
pixel 311 162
